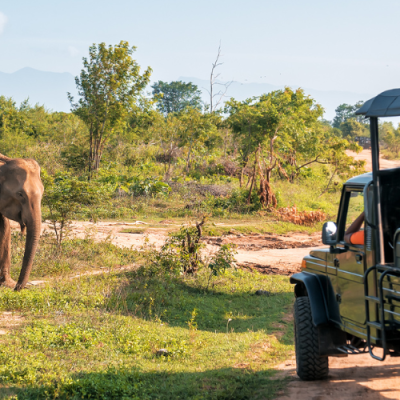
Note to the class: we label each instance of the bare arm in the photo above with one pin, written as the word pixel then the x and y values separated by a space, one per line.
pixel 354 227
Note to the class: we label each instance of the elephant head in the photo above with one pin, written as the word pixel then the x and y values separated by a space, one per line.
pixel 21 193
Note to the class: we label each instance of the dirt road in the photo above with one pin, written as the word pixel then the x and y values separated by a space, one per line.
pixel 365 155
pixel 354 377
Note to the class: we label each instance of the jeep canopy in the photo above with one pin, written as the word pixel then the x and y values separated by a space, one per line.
pixel 386 104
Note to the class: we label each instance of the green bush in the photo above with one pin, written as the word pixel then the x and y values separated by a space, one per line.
pixel 64 195
pixel 236 202
pixel 149 187
pixel 180 253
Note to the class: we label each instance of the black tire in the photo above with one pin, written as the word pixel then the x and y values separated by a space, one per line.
pixel 310 366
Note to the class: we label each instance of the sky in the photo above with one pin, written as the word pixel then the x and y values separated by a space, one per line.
pixel 340 45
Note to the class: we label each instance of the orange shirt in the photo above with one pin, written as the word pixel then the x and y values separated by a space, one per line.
pixel 357 238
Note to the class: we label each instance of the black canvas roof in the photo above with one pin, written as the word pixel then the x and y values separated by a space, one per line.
pixel 386 104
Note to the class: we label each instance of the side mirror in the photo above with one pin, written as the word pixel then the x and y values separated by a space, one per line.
pixel 329 233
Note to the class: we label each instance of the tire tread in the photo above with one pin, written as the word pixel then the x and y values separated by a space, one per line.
pixel 309 364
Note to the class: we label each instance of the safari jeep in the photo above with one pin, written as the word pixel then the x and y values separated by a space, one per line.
pixel 348 296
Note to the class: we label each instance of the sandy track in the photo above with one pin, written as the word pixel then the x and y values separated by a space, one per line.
pixel 365 155
pixel 354 377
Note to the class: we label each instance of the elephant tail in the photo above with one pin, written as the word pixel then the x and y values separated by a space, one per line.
pixel 4 158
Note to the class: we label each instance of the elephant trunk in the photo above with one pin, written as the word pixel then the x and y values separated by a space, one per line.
pixel 32 239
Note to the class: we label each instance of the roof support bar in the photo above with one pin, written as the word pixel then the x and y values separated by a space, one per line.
pixel 379 254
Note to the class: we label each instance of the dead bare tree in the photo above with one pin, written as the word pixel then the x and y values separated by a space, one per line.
pixel 217 97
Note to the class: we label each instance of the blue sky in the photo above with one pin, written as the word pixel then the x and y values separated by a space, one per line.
pixel 326 45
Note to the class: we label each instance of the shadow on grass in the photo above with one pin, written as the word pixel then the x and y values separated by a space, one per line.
pixel 221 384
pixel 227 384
pixel 223 308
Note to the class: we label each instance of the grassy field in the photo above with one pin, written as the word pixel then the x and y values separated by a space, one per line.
pixel 98 336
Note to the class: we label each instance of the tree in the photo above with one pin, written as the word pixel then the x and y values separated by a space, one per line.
pixel 175 96
pixel 346 111
pixel 351 128
pixel 385 127
pixel 282 131
pixel 391 137
pixel 11 121
pixel 243 122
pixel 196 129
pixel 334 154
pixel 166 132
pixel 108 86
pixel 217 96
pixel 186 134
pixel 277 122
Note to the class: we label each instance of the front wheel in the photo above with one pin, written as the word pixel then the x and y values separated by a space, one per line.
pixel 310 365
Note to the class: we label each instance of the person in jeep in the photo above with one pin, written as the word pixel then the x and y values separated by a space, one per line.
pixel 354 234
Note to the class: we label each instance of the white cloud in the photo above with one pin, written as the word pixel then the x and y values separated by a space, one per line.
pixel 3 21
pixel 73 51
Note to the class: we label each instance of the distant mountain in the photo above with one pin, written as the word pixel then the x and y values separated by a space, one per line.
pixel 46 88
pixel 241 91
pixel 50 89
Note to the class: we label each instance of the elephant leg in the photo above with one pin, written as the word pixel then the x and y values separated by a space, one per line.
pixel 5 253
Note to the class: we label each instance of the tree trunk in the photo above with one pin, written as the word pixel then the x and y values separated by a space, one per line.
pixel 189 154
pixel 91 150
pixel 271 158
pixel 241 176
pixel 245 161
pixel 254 175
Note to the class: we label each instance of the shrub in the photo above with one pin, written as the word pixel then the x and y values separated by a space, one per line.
pixel 64 195
pixel 234 202
pixel 149 187
pixel 222 260
pixel 180 253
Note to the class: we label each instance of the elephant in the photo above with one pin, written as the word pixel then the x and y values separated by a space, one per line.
pixel 21 192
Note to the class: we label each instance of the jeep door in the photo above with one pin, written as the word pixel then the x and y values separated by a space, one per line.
pixel 348 262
